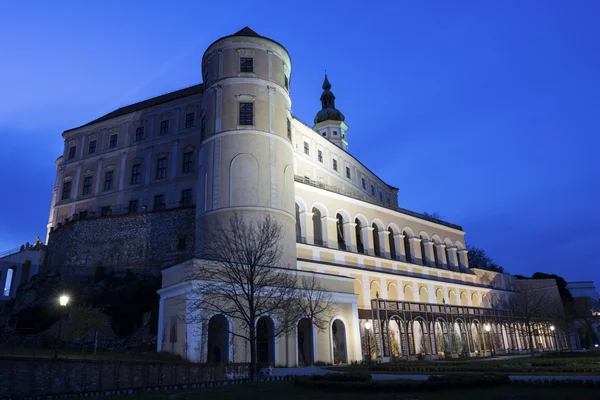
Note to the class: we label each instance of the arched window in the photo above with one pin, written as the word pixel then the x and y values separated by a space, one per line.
pixel 340 232
pixel 376 240
pixel 218 340
pixel 409 257
pixel 359 244
pixel 392 244
pixel 317 228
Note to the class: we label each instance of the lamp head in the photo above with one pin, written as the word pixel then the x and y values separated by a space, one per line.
pixel 488 327
pixel 552 328
pixel 63 300
pixel 368 325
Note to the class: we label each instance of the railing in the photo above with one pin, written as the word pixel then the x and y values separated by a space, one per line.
pixel 320 243
pixel 300 239
pixel 371 200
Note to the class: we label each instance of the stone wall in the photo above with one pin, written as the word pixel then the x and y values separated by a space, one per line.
pixel 144 242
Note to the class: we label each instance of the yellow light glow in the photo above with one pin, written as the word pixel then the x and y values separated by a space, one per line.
pixel 63 300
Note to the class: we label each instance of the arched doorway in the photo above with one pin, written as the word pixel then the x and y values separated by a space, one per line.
pixel 218 340
pixel 305 342
pixel 317 227
pixel 338 342
pixel 265 340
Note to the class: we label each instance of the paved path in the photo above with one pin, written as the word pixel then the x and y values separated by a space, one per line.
pixel 392 377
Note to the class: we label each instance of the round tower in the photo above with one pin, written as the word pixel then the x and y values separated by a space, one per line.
pixel 246 155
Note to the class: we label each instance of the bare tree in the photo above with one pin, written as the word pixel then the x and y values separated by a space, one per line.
pixel 532 305
pixel 585 318
pixel 240 278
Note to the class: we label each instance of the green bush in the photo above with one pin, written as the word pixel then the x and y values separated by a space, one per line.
pixel 350 377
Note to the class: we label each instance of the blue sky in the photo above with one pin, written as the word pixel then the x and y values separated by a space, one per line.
pixel 484 111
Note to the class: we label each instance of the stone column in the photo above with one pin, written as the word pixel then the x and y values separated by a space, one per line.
pixel 384 244
pixel 399 243
pixel 441 252
pixel 218 106
pixel 75 192
pixel 148 165
pixel 174 159
pixel 428 258
pixel 464 260
pixel 452 261
pixel 307 217
pixel 330 234
pixel 122 170
pixel 350 236
pixel 415 250
pixel 98 177
pixel 366 233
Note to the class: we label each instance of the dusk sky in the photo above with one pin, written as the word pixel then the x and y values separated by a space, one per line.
pixel 487 112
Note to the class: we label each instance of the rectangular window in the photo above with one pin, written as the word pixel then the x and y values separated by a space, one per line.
pixel 72 151
pixel 164 127
pixel 136 174
pixel 246 64
pixel 186 197
pixel 190 120
pixel 139 133
pixel 92 147
pixel 83 214
pixel 286 82
pixel 335 165
pixel 159 202
pixel 372 190
pixel 364 184
pixel 347 172
pixel 203 128
pixel 306 148
pixel 87 185
pixel 380 196
pixel 246 114
pixel 108 181
pixel 113 141
pixel 320 155
pixel 188 162
pixel 105 211
pixel 66 192
pixel 289 129
pixel 161 168
pixel 133 206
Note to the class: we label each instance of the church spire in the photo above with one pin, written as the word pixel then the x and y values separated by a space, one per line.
pixel 328 110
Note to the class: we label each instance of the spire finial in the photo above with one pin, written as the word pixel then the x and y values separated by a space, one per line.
pixel 326 85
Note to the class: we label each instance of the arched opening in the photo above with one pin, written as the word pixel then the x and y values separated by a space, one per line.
pixel 376 240
pixel 423 253
pixel 339 346
pixel 299 236
pixel 340 232
pixel 358 291
pixel 218 340
pixel 423 295
pixel 396 328
pixel 392 244
pixel 265 340
pixel 392 291
pixel 317 227
pixel 408 293
pixel 409 257
pixel 442 339
pixel 375 293
pixel 463 299
pixel 359 243
pixel 8 283
pixel 452 298
pixel 305 342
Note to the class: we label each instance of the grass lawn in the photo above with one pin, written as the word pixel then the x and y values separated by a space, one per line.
pixel 287 391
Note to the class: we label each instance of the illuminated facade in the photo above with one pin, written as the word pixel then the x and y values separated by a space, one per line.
pixel 250 156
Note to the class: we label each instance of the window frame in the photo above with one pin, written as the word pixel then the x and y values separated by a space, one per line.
pixel 92 149
pixel 129 206
pixel 245 115
pixel 159 205
pixel 320 156
pixel 136 176
pixel 113 143
pixel 108 183
pixel 72 152
pixel 247 64
pixel 140 133
pixel 161 170
pixel 164 127
pixel 306 148
pixel 190 120
pixel 348 173
pixel 334 164
pixel 86 189
pixel 186 197
pixel 188 164
pixel 66 190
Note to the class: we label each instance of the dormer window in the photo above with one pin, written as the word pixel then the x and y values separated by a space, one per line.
pixel 72 151
pixel 246 64
pixel 286 82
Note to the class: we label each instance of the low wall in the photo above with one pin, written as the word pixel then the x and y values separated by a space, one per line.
pixel 144 242
pixel 30 377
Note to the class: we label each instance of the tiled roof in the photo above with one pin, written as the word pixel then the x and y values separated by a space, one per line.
pixel 154 101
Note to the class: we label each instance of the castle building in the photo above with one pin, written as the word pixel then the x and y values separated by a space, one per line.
pixel 136 187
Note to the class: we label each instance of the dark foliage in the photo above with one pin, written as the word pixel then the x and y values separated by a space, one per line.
pixel 479 259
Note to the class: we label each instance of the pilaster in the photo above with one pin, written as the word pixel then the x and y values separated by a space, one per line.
pixel 399 244
pixel 366 233
pixel 384 244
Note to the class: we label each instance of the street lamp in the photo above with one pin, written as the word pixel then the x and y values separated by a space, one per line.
pixel 488 328
pixel 368 328
pixel 552 329
pixel 63 300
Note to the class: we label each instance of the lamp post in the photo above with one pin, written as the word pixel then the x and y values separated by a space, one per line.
pixel 63 300
pixel 488 328
pixel 553 329
pixel 368 329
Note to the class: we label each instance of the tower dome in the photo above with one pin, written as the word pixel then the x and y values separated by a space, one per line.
pixel 328 111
